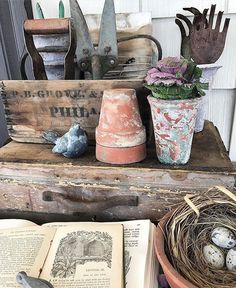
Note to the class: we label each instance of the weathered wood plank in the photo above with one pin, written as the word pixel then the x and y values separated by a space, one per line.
pixel 150 205
pixel 28 172
pixel 32 107
pixel 208 154
pixel 66 174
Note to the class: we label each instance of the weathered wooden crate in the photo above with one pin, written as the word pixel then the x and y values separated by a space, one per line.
pixel 32 107
pixel 39 185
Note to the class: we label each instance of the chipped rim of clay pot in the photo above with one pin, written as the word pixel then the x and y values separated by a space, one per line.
pixel 119 155
pixel 173 277
pixel 112 131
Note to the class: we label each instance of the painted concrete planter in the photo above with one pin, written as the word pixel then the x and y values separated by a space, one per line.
pixel 173 122
pixel 120 135
pixel 208 74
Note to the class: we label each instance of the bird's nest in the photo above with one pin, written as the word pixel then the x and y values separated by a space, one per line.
pixel 189 229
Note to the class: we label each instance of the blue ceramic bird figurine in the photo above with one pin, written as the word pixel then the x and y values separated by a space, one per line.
pixel 31 282
pixel 72 144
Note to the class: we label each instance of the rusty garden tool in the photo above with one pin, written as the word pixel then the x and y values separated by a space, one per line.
pixel 185 36
pixel 49 27
pixel 202 43
pixel 207 43
pixel 98 59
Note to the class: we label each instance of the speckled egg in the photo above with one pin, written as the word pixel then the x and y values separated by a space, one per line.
pixel 231 259
pixel 214 256
pixel 223 237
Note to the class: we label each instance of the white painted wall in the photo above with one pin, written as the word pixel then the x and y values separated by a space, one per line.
pixel 50 7
pixel 232 153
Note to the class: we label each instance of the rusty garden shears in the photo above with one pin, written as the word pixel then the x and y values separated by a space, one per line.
pixel 96 60
pixel 99 59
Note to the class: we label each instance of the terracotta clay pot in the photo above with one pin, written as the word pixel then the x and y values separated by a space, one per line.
pixel 174 279
pixel 120 135
pixel 173 122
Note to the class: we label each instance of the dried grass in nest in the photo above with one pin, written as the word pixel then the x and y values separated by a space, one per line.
pixel 189 229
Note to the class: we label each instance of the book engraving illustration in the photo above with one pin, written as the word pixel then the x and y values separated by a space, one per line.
pixel 127 263
pixel 80 247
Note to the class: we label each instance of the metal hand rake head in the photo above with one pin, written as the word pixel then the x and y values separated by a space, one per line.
pixel 185 35
pixel 207 43
pixel 204 44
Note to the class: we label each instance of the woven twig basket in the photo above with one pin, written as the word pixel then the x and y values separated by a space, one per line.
pixel 189 229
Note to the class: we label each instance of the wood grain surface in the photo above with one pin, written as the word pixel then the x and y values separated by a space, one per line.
pixel 32 107
pixel 32 179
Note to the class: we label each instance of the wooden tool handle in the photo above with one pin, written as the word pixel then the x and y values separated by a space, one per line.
pixel 46 26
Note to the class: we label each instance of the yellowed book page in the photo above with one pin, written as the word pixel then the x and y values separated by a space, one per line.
pixel 86 255
pixel 137 260
pixel 15 223
pixel 136 240
pixel 152 267
pixel 23 249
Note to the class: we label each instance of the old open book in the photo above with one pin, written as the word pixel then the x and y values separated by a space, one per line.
pixel 79 254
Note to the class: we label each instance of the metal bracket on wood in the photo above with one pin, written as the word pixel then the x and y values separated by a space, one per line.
pixel 88 203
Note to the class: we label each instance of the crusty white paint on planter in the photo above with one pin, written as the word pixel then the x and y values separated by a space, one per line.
pixel 208 73
pixel 173 122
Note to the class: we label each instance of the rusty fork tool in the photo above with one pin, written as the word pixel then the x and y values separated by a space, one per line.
pixel 204 44
pixel 47 27
pixel 207 42
pixel 99 59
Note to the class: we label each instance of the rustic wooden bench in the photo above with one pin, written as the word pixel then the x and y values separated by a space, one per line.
pixel 41 186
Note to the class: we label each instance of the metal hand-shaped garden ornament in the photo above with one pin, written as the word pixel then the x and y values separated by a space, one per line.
pixel 204 43
pixel 185 37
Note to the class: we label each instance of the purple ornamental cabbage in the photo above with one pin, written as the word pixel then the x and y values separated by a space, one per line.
pixel 169 71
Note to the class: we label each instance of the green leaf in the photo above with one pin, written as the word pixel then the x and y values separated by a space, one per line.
pixel 190 72
pixel 61 9
pixel 39 11
pixel 197 73
pixel 175 92
pixel 191 89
